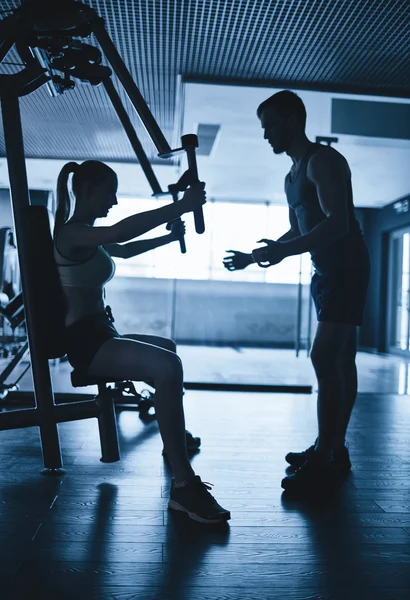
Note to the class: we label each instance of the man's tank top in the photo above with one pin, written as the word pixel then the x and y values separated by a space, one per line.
pixel 302 198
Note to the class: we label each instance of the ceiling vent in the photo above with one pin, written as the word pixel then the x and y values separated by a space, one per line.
pixel 207 135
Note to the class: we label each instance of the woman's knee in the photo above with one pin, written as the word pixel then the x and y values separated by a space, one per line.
pixel 169 344
pixel 170 368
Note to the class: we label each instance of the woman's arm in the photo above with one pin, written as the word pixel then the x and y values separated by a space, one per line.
pixel 80 236
pixel 139 247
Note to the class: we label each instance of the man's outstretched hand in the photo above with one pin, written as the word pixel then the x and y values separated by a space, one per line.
pixel 272 254
pixel 238 261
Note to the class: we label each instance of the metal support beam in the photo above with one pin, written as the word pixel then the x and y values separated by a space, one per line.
pixel 5 47
pixel 132 136
pixel 131 88
pixel 43 390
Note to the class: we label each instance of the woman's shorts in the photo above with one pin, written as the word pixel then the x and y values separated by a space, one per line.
pixel 86 336
pixel 340 295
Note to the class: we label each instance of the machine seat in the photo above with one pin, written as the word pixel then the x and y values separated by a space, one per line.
pixel 80 378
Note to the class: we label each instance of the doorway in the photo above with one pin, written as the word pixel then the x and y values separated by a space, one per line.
pixel 398 322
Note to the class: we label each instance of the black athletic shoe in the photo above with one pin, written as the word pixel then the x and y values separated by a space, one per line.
pixel 194 499
pixel 192 444
pixel 316 474
pixel 341 458
pixel 297 459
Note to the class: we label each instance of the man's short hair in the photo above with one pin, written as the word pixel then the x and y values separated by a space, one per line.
pixel 285 103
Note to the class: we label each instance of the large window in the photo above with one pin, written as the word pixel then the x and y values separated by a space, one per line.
pixel 229 226
pixel 399 307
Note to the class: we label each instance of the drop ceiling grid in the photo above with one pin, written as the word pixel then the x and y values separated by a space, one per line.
pixel 343 42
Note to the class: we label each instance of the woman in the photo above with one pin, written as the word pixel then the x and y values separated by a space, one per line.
pixel 83 256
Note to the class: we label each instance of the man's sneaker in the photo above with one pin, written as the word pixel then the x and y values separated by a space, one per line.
pixel 192 444
pixel 194 499
pixel 297 459
pixel 341 458
pixel 316 474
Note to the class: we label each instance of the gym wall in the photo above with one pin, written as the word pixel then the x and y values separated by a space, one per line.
pixel 209 311
pixel 245 313
pixel 206 312
pixel 218 312
pixel 378 224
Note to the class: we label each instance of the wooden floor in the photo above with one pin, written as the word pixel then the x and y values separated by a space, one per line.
pixel 104 531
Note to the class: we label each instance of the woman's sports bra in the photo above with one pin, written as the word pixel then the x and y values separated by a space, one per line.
pixel 93 272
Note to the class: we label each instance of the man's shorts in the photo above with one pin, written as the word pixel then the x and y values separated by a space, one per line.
pixel 339 295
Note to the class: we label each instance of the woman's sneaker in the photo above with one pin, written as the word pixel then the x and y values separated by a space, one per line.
pixel 341 458
pixel 194 499
pixel 193 443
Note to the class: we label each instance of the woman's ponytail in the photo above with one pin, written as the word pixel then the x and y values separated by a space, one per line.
pixel 63 197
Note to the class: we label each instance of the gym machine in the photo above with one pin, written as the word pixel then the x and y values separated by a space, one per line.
pixel 47 36
pixel 14 344
pixel 13 338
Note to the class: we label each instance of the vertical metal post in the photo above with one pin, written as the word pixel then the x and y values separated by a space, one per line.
pixel 43 391
pixel 189 144
pixel 173 308
pixel 107 425
pixel 299 310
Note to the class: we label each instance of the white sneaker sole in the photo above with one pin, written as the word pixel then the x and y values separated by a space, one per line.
pixel 175 506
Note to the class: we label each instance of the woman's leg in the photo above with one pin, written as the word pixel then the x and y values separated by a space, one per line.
pixel 193 443
pixel 124 358
pixel 154 340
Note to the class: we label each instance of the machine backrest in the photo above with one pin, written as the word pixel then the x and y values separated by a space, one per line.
pixel 47 295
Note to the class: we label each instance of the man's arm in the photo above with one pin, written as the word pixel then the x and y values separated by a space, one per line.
pixel 139 247
pixel 330 174
pixel 294 230
pixel 240 260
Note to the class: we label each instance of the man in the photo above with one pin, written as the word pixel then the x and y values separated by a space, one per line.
pixel 321 214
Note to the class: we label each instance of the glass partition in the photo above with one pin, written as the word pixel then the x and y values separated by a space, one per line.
pixel 209 311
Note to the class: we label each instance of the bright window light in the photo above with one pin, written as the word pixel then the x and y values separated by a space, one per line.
pixel 236 227
pixel 229 226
